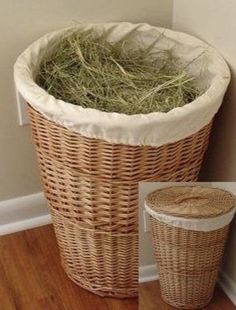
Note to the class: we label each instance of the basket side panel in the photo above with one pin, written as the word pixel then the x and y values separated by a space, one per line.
pixel 92 190
pixel 189 262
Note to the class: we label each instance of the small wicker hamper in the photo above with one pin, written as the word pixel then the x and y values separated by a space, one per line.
pixel 92 161
pixel 189 230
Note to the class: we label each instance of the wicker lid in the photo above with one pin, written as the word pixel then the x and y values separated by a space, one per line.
pixel 191 201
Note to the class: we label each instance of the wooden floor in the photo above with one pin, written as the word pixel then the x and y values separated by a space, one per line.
pixel 150 299
pixel 31 277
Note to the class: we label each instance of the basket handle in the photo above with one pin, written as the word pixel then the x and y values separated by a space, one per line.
pixel 189 197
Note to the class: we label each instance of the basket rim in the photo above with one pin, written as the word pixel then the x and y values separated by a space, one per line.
pixel 106 125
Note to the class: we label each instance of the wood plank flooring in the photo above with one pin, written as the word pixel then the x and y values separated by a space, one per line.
pixel 150 299
pixel 31 277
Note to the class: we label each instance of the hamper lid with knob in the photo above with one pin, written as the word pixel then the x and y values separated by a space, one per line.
pixel 189 229
pixel 197 208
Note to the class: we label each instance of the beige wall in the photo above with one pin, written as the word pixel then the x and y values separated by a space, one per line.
pixel 229 265
pixel 214 21
pixel 21 22
pixel 145 246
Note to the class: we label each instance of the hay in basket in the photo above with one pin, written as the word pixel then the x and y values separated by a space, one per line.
pixel 85 69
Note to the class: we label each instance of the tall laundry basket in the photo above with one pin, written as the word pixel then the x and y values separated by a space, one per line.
pixel 189 230
pixel 91 161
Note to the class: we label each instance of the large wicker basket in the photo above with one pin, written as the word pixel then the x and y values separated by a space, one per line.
pixel 91 161
pixel 92 191
pixel 189 230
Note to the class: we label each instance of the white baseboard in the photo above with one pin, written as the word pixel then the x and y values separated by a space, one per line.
pixel 228 286
pixel 25 224
pixel 148 273
pixel 23 213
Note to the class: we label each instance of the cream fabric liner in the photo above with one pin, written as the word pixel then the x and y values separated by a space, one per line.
pixel 208 224
pixel 153 129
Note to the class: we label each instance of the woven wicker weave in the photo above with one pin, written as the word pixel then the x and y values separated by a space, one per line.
pixel 188 260
pixel 191 201
pixel 92 190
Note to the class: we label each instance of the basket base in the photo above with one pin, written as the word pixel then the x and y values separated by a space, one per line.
pixel 185 306
pixel 106 292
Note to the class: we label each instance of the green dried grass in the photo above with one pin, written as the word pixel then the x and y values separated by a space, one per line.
pixel 124 77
